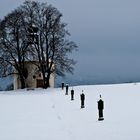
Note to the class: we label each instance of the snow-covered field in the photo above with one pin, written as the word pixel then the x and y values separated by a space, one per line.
pixel 51 115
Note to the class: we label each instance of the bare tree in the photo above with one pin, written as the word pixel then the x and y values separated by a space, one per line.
pixel 51 39
pixel 13 46
pixel 40 35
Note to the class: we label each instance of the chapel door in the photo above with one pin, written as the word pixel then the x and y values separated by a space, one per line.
pixel 39 83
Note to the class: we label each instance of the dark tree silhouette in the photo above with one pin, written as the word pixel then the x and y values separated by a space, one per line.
pixel 35 31
pixel 13 46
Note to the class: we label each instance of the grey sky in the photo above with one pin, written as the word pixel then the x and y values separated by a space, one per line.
pixel 108 35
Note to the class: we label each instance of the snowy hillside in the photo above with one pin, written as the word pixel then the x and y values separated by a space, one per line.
pixel 51 115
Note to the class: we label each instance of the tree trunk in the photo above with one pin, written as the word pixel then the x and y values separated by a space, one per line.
pixel 22 81
pixel 47 81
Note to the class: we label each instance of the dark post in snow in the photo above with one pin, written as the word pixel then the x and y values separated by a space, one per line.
pixel 72 94
pixel 82 99
pixel 67 88
pixel 62 85
pixel 100 109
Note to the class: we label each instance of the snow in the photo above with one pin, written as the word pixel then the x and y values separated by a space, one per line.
pixel 51 115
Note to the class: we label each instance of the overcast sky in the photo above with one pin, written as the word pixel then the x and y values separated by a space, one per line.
pixel 107 32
